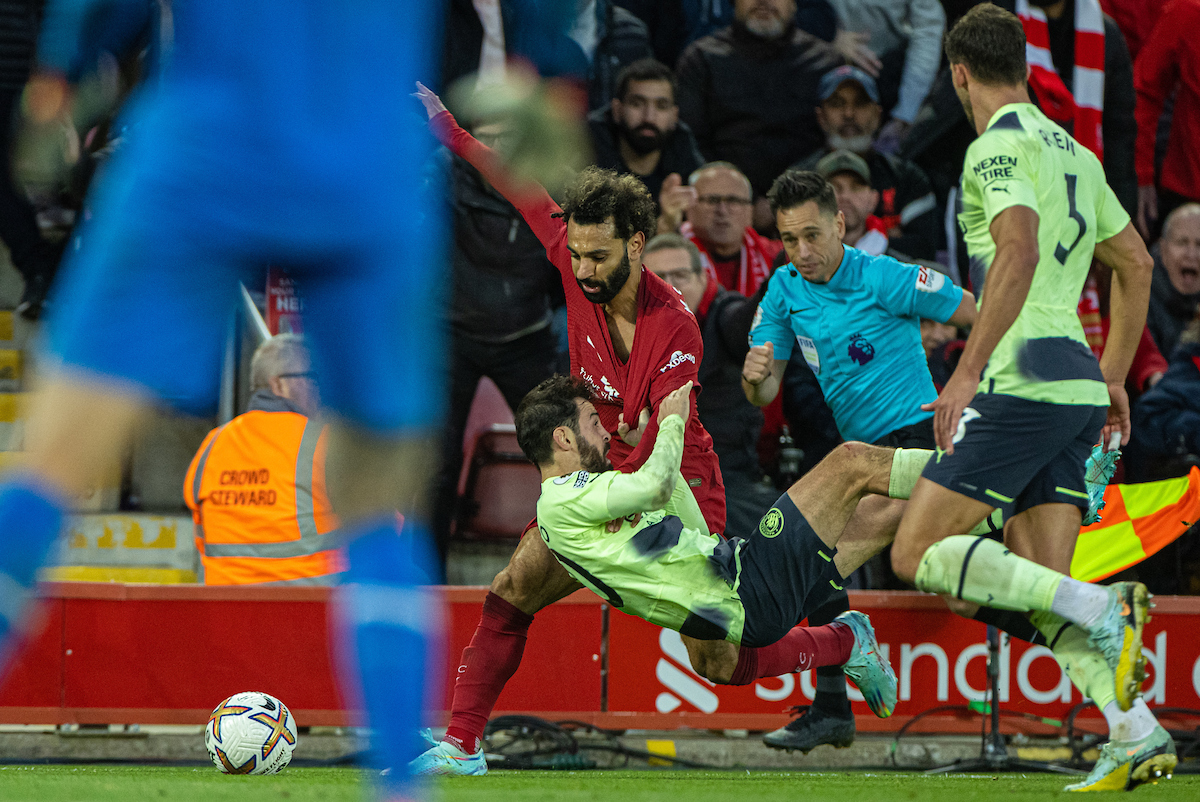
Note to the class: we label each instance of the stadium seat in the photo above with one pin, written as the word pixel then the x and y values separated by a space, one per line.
pixel 488 408
pixel 501 490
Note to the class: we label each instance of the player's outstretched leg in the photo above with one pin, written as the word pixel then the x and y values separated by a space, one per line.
pixel 1140 750
pixel 533 579
pixel 867 667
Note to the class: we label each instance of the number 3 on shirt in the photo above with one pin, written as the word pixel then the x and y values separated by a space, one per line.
pixel 1061 253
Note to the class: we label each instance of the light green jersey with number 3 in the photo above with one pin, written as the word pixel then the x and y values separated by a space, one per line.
pixel 1025 159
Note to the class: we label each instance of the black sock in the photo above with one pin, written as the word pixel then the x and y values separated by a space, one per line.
pixel 830 681
pixel 1012 622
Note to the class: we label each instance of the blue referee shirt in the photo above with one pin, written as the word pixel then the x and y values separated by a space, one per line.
pixel 861 335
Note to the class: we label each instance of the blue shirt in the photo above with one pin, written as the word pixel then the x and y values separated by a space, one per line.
pixel 861 335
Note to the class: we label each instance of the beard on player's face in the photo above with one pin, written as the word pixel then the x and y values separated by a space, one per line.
pixel 591 459
pixel 608 287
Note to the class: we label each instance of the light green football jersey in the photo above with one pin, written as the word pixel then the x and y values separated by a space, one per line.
pixel 1025 159
pixel 660 564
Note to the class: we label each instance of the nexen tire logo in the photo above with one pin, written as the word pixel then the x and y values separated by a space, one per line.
pixel 677 359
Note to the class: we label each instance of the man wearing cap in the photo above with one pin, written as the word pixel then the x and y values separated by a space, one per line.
pixel 856 319
pixel 850 177
pixel 849 113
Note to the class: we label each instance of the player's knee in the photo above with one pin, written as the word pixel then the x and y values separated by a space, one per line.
pixel 905 560
pixel 517 584
pixel 513 586
pixel 841 460
pixel 851 462
pixel 714 666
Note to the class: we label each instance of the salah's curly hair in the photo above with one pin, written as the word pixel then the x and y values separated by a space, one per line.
pixel 598 196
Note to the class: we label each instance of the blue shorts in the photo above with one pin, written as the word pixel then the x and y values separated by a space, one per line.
pixel 1015 454
pixel 147 297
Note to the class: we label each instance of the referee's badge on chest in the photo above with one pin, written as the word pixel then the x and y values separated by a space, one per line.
pixel 808 349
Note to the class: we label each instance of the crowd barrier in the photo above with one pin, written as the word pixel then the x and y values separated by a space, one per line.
pixel 108 653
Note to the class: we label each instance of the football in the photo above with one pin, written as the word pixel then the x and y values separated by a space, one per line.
pixel 250 733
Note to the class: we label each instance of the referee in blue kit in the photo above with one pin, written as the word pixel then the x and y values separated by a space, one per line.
pixel 856 319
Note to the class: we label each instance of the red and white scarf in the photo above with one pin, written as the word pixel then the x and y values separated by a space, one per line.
pixel 758 253
pixel 1082 110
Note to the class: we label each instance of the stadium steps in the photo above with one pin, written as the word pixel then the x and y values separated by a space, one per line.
pixel 99 543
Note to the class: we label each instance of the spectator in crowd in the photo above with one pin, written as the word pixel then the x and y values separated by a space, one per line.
pixel 732 421
pixel 256 487
pixel 640 132
pixel 942 350
pixel 855 319
pixel 1167 421
pixel 499 314
pixel 585 40
pixel 1148 362
pixel 749 92
pixel 1169 63
pixel 850 177
pixel 675 24
pixel 849 115
pixel 1135 18
pixel 1068 41
pixel 718 201
pixel 1175 290
pixel 33 256
pixel 900 44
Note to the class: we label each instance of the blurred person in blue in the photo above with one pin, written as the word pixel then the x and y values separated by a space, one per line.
pixel 277 131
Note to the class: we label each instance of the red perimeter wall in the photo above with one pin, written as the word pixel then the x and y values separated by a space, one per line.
pixel 110 653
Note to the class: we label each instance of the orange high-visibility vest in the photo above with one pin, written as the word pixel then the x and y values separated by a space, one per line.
pixel 1137 521
pixel 256 489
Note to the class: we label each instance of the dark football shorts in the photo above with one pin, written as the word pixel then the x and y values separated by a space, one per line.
pixel 1016 454
pixel 786 572
pixel 914 435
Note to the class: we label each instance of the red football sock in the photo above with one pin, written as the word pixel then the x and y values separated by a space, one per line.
pixel 487 664
pixel 801 649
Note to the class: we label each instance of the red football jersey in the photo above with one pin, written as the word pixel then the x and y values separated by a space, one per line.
pixel 666 350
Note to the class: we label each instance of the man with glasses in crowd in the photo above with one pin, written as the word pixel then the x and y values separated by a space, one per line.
pixel 720 211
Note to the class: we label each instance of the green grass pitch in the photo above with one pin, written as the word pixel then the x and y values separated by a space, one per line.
pixel 137 783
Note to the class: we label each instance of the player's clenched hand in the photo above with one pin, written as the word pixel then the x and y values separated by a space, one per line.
pixel 758 364
pixel 633 436
pixel 432 103
pixel 676 403
pixel 949 406
pixel 1118 416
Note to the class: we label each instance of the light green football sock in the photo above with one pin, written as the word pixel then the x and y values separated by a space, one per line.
pixel 981 570
pixel 907 465
pixel 1082 663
